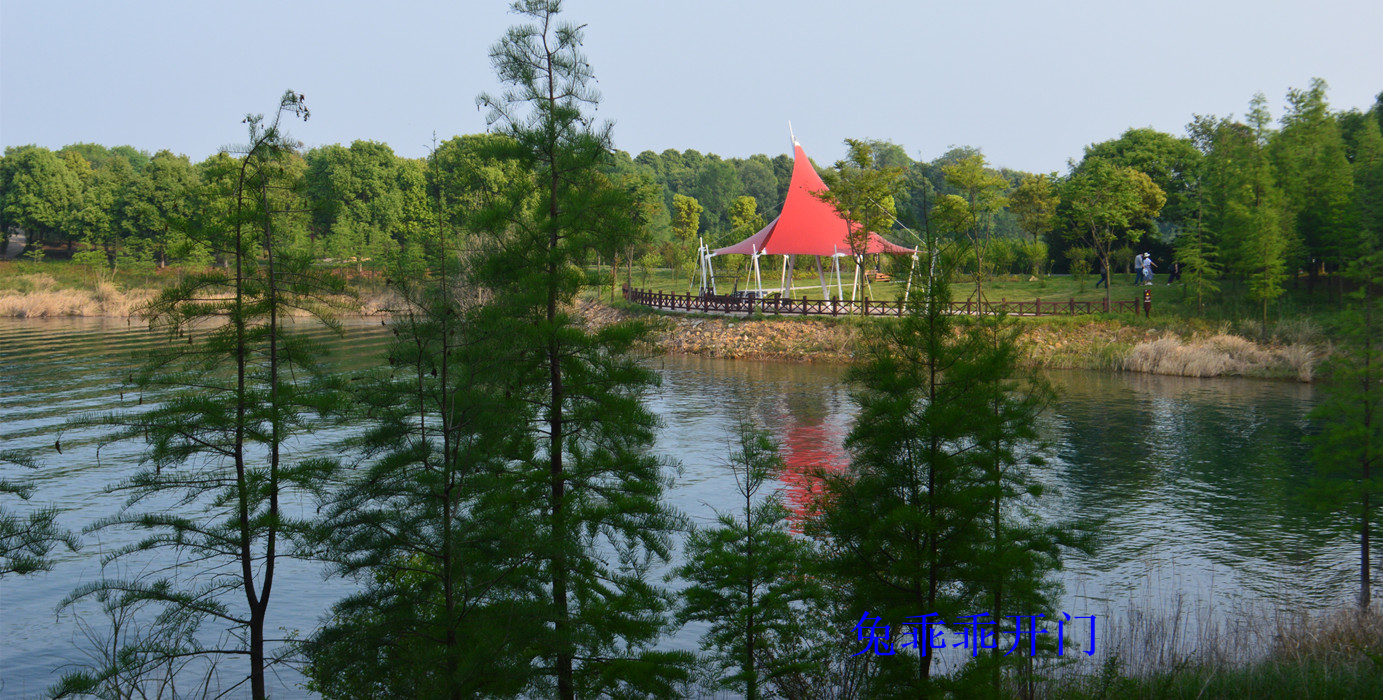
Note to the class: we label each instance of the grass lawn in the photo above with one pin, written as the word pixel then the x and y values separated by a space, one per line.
pixel 1231 306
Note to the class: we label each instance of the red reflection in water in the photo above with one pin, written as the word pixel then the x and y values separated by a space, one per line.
pixel 807 450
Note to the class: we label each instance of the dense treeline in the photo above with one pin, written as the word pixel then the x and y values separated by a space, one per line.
pixel 1240 200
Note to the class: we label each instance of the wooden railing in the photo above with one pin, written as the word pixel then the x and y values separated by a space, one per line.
pixel 748 303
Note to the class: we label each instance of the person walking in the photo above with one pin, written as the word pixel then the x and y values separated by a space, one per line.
pixel 1104 275
pixel 1148 265
pixel 1138 268
pixel 1175 274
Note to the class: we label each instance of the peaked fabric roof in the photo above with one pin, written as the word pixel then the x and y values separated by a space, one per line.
pixel 807 225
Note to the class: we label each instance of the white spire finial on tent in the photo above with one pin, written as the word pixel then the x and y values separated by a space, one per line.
pixel 792 135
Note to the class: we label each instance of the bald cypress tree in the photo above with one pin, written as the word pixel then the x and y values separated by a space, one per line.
pixel 594 489
pixel 231 389
pixel 1349 449
pixel 749 579
pixel 427 523
pixel 930 516
pixel 27 536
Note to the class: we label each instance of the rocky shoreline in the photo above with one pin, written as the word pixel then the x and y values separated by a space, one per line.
pixel 1066 344
pixel 1072 344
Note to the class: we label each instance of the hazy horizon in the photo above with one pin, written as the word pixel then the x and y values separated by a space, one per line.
pixel 1029 86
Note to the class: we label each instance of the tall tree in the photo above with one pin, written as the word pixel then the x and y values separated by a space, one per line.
pixel 234 387
pixel 1169 161
pixel 1349 449
pixel 747 576
pixel 1023 552
pixel 358 200
pixel 428 522
pixel 1313 175
pixel 596 489
pixel 984 191
pixel 1034 203
pixel 1196 250
pixel 1104 200
pixel 1255 216
pixel 906 521
pixel 862 191
pixel 686 223
pixel 38 192
pixel 158 210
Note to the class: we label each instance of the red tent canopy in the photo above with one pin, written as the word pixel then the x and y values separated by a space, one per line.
pixel 807 225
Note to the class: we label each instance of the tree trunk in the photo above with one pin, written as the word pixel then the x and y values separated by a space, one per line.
pixel 1368 386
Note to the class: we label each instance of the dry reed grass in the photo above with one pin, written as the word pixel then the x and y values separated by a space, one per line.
pixel 104 300
pixel 36 298
pixel 1165 637
pixel 1219 355
pixel 1334 636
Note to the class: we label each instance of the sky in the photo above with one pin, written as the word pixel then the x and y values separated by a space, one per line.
pixel 1028 83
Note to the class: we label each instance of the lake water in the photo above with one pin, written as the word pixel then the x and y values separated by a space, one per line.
pixel 1196 481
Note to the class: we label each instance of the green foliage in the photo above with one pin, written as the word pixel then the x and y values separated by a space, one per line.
pixel 38 192
pixel 745 219
pixel 1348 451
pixel 1170 162
pixel 429 522
pixel 366 201
pixel 862 191
pixel 1313 175
pixel 234 387
pixel 27 538
pixel 94 260
pixel 920 523
pixel 952 214
pixel 1197 248
pixel 1080 264
pixel 590 484
pixel 1033 257
pixel 1255 217
pixel 1034 203
pixel 1199 269
pixel 748 578
pixel 984 192
pixel 1104 201
pixel 680 254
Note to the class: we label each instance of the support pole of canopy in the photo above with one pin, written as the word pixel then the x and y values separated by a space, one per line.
pixel 821 274
pixel 706 267
pixel 908 289
pixel 855 281
pixel 759 274
pixel 792 269
pixel 708 278
pixel 706 270
pixel 710 270
pixel 840 290
pixel 701 263
pixel 783 277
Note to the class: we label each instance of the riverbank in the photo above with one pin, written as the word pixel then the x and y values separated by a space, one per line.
pixel 1288 655
pixel 39 295
pixel 1170 347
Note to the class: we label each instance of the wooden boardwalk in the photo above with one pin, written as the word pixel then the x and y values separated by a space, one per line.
pixel 748 303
